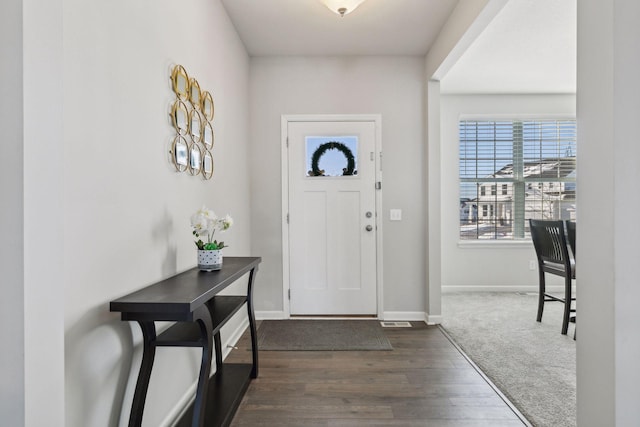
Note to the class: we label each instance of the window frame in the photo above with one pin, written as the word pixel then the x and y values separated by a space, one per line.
pixel 495 188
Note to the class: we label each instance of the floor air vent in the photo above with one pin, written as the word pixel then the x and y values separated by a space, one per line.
pixel 395 324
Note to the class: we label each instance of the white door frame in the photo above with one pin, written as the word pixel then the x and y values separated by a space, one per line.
pixel 285 120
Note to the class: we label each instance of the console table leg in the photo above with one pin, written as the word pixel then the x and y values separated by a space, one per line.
pixel 252 323
pixel 218 342
pixel 203 318
pixel 142 385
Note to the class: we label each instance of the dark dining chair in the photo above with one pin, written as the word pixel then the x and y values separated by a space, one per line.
pixel 552 251
pixel 571 237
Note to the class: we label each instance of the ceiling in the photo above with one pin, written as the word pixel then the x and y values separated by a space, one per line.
pixel 529 47
pixel 307 27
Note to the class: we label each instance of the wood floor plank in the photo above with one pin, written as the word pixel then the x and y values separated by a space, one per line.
pixel 323 411
pixel 424 380
pixel 422 411
pixel 421 423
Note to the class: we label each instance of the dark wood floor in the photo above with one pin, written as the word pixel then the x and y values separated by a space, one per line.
pixel 423 381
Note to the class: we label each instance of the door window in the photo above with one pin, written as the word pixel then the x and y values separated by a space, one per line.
pixel 331 156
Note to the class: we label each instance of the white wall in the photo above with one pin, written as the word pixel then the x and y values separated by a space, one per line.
pixel 608 110
pixel 12 402
pixel 32 391
pixel 466 22
pixel 390 86
pixel 126 210
pixel 489 265
pixel 43 216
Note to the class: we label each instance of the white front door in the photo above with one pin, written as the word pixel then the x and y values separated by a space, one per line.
pixel 332 217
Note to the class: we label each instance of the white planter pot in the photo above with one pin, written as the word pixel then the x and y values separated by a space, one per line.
pixel 209 260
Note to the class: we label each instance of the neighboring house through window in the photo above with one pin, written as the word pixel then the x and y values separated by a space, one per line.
pixel 532 162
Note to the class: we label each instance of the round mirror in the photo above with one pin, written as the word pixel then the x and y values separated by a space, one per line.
pixel 207 105
pixel 194 93
pixel 207 164
pixel 180 153
pixel 195 126
pixel 207 134
pixel 195 159
pixel 180 117
pixel 180 82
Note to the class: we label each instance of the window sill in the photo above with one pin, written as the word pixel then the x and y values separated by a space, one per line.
pixel 495 244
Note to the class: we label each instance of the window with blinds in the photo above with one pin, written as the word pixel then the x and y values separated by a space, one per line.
pixel 511 171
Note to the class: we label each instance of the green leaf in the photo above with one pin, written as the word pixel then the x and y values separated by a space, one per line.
pixel 211 246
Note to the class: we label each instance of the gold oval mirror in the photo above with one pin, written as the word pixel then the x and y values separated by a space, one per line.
pixel 180 117
pixel 207 105
pixel 195 159
pixel 207 134
pixel 194 93
pixel 195 126
pixel 207 164
pixel 180 82
pixel 180 153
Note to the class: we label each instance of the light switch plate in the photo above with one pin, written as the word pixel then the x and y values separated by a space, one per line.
pixel 395 215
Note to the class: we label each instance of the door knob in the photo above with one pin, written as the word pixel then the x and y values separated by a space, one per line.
pixel 369 227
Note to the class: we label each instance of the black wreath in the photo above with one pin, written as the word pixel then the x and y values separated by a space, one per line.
pixel 333 145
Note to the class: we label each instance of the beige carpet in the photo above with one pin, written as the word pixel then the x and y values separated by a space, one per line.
pixel 530 362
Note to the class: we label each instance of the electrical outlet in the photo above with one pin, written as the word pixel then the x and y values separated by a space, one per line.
pixel 532 265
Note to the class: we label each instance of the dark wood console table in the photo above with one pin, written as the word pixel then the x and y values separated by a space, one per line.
pixel 191 300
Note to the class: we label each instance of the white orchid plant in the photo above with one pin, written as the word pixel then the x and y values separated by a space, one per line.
pixel 205 223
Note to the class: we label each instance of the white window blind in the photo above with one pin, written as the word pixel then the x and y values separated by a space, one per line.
pixel 531 162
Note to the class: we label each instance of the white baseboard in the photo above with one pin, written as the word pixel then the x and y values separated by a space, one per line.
pixel 404 316
pixel 433 319
pixel 271 315
pixel 234 337
pixel 471 288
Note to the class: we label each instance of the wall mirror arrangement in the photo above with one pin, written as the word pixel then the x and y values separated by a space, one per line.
pixel 191 115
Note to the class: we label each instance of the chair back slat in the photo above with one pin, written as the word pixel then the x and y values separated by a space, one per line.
pixel 571 235
pixel 549 241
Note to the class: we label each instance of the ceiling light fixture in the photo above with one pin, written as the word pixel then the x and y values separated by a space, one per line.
pixel 342 7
